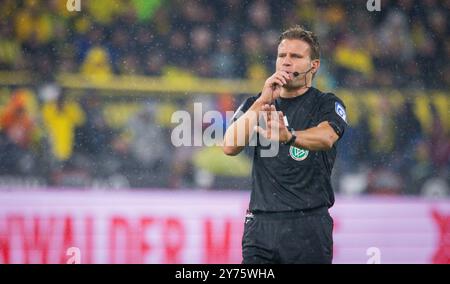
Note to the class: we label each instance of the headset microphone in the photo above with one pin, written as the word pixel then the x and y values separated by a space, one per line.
pixel 296 74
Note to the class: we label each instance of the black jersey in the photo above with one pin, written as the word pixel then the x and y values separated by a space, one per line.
pixel 297 179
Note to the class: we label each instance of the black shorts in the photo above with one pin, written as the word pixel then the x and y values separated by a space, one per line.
pixel 288 237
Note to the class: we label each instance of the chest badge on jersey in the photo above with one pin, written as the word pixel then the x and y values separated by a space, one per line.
pixel 298 154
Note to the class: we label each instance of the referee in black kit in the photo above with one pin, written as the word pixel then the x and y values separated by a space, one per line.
pixel 288 219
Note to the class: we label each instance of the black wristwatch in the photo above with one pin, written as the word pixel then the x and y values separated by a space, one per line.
pixel 293 137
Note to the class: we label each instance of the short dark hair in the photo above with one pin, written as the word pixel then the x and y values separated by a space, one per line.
pixel 298 32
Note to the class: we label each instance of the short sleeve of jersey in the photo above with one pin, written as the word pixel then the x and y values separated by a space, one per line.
pixel 244 107
pixel 333 110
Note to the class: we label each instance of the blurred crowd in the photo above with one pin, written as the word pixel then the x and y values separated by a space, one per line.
pixel 48 137
pixel 396 143
pixel 407 44
pixel 54 136
pixel 397 147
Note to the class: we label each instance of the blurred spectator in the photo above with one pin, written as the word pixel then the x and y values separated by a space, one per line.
pixel 61 117
pixel 147 145
pixel 17 130
pixel 259 16
pixel 94 136
pixel 130 65
pixel 201 44
pixel 435 188
pixel 10 56
pixel 154 63
pixel 16 123
pixel 225 104
pixel 119 46
pixel 421 169
pixel 408 133
pixel 382 129
pixel 353 62
pixel 224 61
pixel 146 8
pixel 177 52
pixel 254 56
pixel 395 38
pixel 439 143
pixel 33 22
pixel 97 66
pixel 382 181
pixel 210 164
pixel 104 11
pixel 355 144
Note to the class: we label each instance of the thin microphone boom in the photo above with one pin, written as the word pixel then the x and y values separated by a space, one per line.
pixel 296 74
